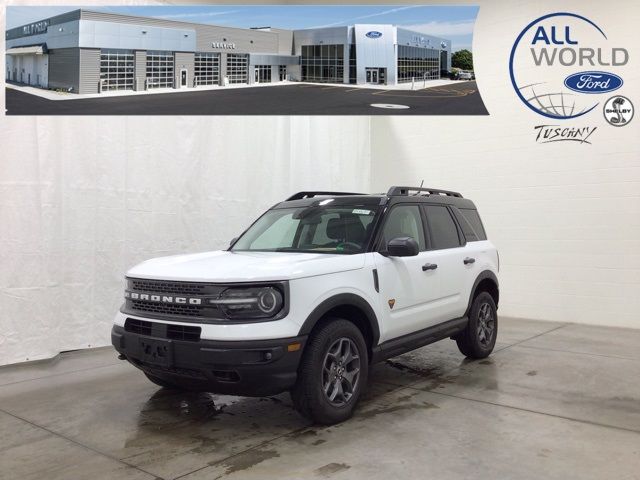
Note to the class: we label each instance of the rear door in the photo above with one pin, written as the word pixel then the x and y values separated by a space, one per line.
pixel 448 249
pixel 408 287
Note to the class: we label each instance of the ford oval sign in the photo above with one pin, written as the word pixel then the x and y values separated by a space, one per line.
pixel 373 34
pixel 593 82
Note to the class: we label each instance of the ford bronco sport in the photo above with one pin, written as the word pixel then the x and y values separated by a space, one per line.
pixel 320 287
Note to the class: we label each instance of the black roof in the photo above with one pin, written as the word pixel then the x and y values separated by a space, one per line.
pixel 393 195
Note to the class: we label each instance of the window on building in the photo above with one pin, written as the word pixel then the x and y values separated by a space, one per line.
pixel 237 68
pixel 353 74
pixel 263 73
pixel 282 72
pixel 322 63
pixel 116 69
pixel 159 69
pixel 442 228
pixel 207 68
pixel 417 63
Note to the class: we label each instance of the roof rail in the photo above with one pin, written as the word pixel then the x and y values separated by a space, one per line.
pixel 396 191
pixel 301 195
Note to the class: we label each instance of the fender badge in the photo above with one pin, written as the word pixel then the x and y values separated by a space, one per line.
pixel 392 302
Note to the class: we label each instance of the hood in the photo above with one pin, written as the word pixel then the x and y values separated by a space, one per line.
pixel 225 266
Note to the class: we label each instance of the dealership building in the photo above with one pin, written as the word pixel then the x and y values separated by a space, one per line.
pixel 85 51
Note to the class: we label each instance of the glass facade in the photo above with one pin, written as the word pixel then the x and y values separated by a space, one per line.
pixel 237 68
pixel 159 69
pixel 418 63
pixel 263 73
pixel 322 63
pixel 207 68
pixel 116 69
pixel 353 76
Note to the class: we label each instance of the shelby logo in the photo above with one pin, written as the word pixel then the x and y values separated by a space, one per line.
pixel 544 60
pixel 556 133
pixel 149 297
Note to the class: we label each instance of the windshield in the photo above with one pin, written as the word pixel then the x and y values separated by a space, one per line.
pixel 317 229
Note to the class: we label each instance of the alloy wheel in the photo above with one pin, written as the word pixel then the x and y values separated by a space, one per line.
pixel 486 324
pixel 341 371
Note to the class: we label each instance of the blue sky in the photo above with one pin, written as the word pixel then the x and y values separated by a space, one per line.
pixel 454 23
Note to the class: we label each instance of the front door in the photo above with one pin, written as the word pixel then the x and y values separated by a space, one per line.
pixel 409 286
pixel 183 77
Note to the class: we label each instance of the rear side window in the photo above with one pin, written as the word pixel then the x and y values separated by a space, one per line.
pixel 443 230
pixel 473 218
pixel 467 230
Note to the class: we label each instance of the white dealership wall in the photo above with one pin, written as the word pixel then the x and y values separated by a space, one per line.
pixel 79 207
pixel 565 216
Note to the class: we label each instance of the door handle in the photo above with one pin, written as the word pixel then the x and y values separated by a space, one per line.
pixel 429 266
pixel 468 260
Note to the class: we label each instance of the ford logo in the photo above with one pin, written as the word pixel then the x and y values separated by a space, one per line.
pixel 593 82
pixel 373 34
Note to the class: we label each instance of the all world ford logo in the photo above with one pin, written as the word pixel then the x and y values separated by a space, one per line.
pixel 593 82
pixel 373 34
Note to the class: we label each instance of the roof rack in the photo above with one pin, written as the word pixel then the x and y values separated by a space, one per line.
pixel 301 195
pixel 396 191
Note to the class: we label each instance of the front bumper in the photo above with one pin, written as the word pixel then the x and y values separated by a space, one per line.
pixel 247 368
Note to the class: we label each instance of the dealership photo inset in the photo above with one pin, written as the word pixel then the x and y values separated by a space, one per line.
pixel 246 60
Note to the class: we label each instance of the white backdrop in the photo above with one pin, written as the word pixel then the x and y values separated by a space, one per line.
pixel 565 216
pixel 83 199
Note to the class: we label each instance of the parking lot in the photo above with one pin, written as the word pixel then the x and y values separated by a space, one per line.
pixel 298 99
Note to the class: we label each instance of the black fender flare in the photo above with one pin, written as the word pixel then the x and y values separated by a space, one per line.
pixel 339 300
pixel 486 274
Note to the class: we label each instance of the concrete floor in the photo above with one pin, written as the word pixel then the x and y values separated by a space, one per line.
pixel 553 401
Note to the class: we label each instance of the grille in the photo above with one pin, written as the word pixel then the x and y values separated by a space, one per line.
pixel 185 372
pixel 183 332
pixel 167 287
pixel 138 326
pixel 167 309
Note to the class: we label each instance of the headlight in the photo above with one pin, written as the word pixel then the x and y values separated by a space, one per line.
pixel 256 302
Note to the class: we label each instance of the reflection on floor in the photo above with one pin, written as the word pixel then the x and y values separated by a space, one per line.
pixel 553 401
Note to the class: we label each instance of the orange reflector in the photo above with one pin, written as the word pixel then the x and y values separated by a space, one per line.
pixel 293 347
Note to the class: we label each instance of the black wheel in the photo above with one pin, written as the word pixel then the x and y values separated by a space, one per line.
pixel 479 337
pixel 332 373
pixel 162 382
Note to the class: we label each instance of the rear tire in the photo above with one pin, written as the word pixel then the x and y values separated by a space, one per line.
pixel 161 382
pixel 332 373
pixel 479 337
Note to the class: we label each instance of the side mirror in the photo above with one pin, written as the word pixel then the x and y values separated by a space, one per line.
pixel 233 240
pixel 403 247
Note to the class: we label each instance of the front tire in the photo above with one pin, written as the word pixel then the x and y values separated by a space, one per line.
pixel 332 374
pixel 479 337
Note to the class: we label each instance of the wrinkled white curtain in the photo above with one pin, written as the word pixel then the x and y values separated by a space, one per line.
pixel 83 199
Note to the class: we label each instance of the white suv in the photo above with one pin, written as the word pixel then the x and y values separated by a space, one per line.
pixel 319 287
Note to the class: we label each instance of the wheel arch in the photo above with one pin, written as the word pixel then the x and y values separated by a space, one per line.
pixel 487 281
pixel 351 307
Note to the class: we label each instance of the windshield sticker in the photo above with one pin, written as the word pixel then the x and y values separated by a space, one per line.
pixel 361 212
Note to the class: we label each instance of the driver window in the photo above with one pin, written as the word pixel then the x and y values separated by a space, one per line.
pixel 404 221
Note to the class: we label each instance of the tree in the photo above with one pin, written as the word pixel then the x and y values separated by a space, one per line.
pixel 462 59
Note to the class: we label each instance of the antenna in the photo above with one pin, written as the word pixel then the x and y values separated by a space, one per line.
pixel 418 192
